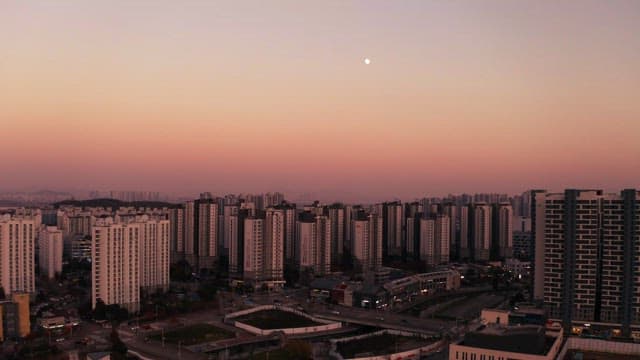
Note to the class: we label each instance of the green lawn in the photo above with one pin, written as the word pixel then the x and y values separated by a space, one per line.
pixel 195 334
pixel 276 319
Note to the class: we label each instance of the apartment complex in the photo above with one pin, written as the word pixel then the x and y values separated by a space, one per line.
pixel 128 256
pixel 314 243
pixel 263 263
pixel 435 239
pixel 17 253
pixel 50 251
pixel 586 256
pixel 366 235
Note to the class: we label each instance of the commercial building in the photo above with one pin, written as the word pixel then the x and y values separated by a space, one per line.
pixel 17 253
pixel 500 342
pixel 50 251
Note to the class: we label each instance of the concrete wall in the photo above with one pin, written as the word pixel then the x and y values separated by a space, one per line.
pixel 328 325
pixel 551 355
pixel 409 354
pixel 597 345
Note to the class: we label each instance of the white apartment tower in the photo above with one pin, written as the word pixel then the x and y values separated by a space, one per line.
pixel 366 235
pixel 128 256
pixel 50 251
pixel 481 222
pixel 435 239
pixel 314 243
pixel 17 253
pixel 263 253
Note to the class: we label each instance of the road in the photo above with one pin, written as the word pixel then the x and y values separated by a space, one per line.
pixel 380 318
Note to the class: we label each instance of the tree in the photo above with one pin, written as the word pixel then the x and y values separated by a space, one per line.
pixel 118 348
pixel 207 290
pixel 100 310
pixel 298 349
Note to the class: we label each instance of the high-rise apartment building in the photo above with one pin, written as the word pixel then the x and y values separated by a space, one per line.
pixel 50 251
pixel 313 250
pixel 435 239
pixel 176 233
pixel 128 256
pixel 393 221
pixel 201 220
pixel 263 252
pixel 367 234
pixel 480 228
pixel 336 213
pixel 290 216
pixel 462 232
pixel 451 210
pixel 502 231
pixel 17 253
pixel 586 256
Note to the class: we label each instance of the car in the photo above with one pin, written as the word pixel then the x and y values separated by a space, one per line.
pixel 380 318
pixel 59 340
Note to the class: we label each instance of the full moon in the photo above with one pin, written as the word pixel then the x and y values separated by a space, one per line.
pixel 367 61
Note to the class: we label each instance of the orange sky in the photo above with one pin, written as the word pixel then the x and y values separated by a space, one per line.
pixel 218 96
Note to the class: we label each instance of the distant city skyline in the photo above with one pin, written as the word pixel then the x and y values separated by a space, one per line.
pixel 184 97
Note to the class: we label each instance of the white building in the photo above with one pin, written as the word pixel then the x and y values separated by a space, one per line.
pixel 50 251
pixel 313 250
pixel 17 253
pixel 435 240
pixel 128 256
pixel 263 245
pixel 366 238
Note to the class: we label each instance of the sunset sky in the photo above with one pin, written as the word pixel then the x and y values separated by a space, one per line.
pixel 252 96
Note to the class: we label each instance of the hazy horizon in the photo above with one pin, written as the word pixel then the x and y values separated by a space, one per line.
pixel 228 97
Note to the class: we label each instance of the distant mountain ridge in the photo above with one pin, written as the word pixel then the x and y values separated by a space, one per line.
pixel 115 203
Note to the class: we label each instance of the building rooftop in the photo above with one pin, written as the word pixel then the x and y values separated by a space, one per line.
pixel 526 339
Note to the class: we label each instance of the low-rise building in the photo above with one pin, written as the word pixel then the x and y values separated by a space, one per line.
pixel 14 317
pixel 500 342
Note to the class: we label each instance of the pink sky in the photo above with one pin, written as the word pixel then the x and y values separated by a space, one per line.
pixel 182 97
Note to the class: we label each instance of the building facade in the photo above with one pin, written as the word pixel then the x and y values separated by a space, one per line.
pixel 587 252
pixel 314 243
pixel 50 251
pixel 128 257
pixel 366 235
pixel 17 253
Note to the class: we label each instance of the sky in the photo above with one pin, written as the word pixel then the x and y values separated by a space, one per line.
pixel 251 96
